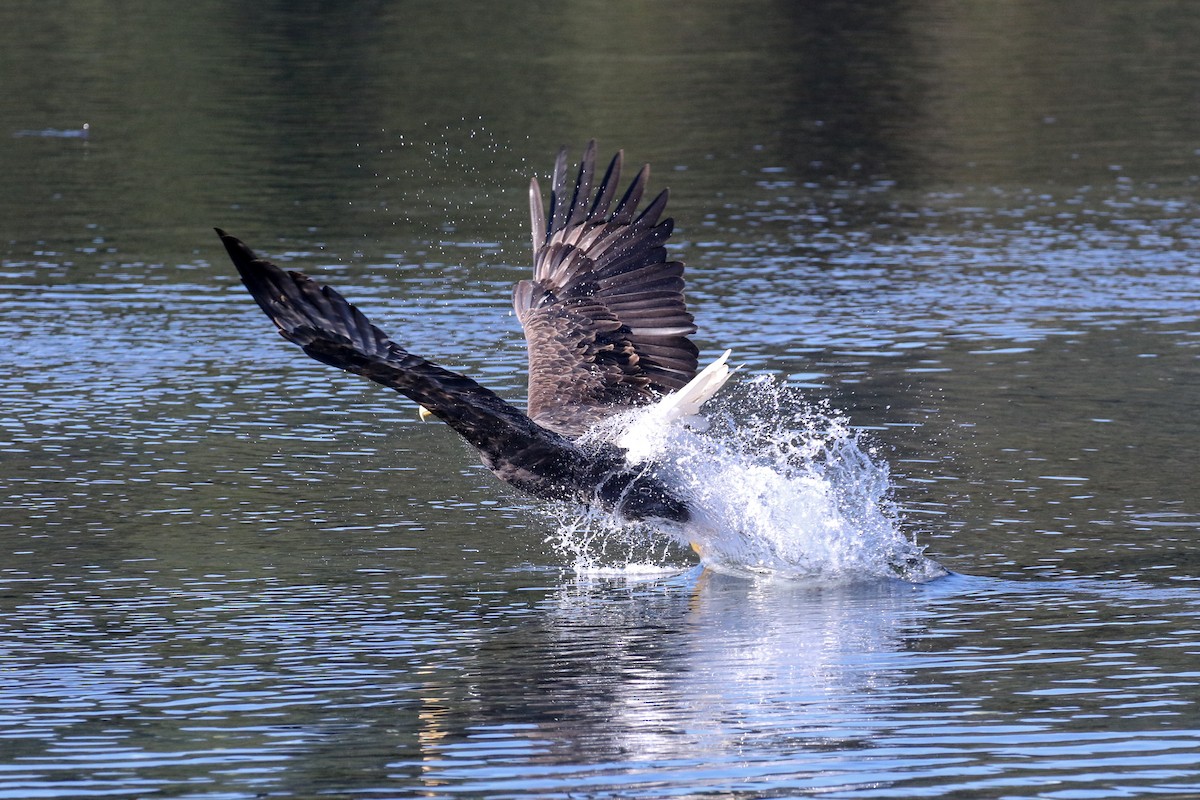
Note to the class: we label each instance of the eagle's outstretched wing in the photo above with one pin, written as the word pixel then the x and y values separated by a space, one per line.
pixel 604 315
pixel 333 331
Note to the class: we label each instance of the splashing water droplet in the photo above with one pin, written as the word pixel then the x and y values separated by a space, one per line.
pixel 777 487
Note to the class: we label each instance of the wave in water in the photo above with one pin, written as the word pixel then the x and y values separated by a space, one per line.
pixel 778 487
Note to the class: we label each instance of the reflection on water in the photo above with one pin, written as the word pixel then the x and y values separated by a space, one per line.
pixel 831 690
pixel 227 572
pixel 510 689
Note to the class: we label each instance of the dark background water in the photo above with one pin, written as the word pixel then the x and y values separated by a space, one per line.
pixel 228 572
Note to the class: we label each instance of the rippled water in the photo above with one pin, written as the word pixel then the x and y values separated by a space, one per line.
pixel 524 684
pixel 229 572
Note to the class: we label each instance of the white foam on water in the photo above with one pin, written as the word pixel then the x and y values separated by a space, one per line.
pixel 777 488
pixel 599 545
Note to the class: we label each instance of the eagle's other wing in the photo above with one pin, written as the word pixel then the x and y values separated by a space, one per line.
pixel 331 330
pixel 604 316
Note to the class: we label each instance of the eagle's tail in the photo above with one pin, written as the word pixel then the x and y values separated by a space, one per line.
pixel 648 428
pixel 685 404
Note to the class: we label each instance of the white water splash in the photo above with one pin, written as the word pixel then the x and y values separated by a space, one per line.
pixel 776 488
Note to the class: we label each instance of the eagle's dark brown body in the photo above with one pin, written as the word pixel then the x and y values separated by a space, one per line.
pixel 606 326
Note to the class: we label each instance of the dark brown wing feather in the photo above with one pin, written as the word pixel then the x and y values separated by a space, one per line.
pixel 604 316
pixel 333 331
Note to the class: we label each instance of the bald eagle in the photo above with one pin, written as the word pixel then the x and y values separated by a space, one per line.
pixel 606 328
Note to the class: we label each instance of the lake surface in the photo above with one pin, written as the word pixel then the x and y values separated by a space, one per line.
pixel 228 572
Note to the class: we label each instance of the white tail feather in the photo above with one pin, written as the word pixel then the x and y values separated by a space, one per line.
pixel 699 390
pixel 682 406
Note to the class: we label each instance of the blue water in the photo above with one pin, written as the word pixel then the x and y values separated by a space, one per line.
pixel 229 685
pixel 966 236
